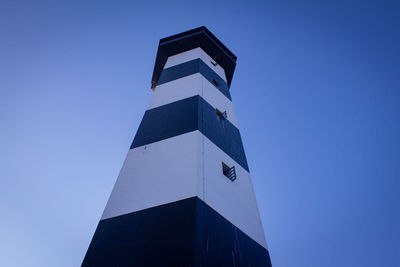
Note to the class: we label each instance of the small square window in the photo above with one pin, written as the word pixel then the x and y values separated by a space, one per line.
pixel 215 83
pixel 222 115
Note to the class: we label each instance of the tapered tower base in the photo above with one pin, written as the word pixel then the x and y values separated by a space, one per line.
pixel 183 233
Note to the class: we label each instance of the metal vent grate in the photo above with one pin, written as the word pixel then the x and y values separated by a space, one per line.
pixel 229 172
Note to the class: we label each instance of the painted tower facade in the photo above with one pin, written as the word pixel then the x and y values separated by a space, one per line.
pixel 184 196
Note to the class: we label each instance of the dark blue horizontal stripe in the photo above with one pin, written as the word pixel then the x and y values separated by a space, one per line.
pixel 192 67
pixel 167 121
pixel 183 233
pixel 188 115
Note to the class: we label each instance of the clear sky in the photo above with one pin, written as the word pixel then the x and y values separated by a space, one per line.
pixel 316 91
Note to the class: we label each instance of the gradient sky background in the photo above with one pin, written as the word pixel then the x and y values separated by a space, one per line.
pixel 316 91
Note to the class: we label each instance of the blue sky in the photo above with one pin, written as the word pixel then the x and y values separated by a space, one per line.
pixel 316 91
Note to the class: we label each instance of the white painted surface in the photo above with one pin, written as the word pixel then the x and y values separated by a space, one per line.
pixel 177 90
pixel 195 54
pixel 180 167
pixel 234 200
pixel 157 173
pixel 217 100
pixel 189 86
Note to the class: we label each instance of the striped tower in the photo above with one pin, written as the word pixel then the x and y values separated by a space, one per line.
pixel 184 196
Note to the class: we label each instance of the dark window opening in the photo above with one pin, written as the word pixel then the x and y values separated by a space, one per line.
pixel 229 172
pixel 222 115
pixel 215 83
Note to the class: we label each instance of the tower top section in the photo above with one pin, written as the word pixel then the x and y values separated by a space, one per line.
pixel 185 41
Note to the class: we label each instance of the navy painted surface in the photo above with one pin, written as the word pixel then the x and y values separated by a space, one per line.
pixel 219 243
pixel 221 132
pixel 167 121
pixel 192 67
pixel 188 115
pixel 183 233
pixel 199 37
pixel 159 236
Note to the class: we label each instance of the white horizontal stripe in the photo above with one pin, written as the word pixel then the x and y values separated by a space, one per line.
pixel 185 166
pixel 194 54
pixel 189 86
pixel 156 174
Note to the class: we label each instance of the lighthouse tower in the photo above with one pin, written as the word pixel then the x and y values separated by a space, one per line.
pixel 184 196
